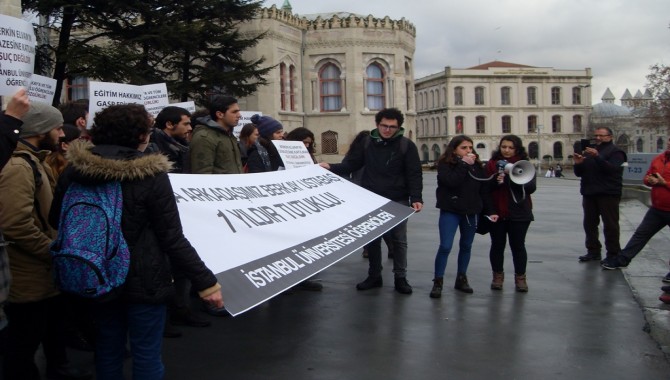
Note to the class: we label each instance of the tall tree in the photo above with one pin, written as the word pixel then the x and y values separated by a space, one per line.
pixel 657 112
pixel 194 47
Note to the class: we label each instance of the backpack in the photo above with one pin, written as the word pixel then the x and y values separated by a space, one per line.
pixel 90 255
pixel 404 144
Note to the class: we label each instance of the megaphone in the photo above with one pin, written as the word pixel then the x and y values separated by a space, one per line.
pixel 520 172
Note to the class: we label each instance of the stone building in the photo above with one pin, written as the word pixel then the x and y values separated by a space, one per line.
pixel 333 72
pixel 497 98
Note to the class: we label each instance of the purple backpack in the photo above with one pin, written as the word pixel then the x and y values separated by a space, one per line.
pixel 90 255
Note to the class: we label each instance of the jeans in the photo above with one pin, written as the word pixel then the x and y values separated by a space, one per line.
pixel 398 235
pixel 467 224
pixel 654 220
pixel 517 242
pixel 143 324
pixel 605 207
pixel 30 324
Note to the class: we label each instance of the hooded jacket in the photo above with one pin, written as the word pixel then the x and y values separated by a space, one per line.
pixel 660 195
pixel 24 224
pixel 149 221
pixel 213 149
pixel 387 171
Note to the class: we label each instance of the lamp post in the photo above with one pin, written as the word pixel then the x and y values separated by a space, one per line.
pixel 539 155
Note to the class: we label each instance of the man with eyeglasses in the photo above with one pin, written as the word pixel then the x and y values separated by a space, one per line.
pixel 600 168
pixel 391 168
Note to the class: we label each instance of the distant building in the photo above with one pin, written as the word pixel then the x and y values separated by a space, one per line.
pixel 497 98
pixel 333 72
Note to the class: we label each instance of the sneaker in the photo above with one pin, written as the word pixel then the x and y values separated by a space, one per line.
pixel 614 262
pixel 590 257
pixel 666 278
pixel 309 285
pixel 402 286
pixel 369 283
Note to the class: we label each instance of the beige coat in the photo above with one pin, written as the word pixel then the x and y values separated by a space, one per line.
pixel 27 228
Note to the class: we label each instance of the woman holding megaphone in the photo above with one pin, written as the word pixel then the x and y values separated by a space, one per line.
pixel 513 180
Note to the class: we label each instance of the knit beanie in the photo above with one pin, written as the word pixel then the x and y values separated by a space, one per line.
pixel 40 119
pixel 266 125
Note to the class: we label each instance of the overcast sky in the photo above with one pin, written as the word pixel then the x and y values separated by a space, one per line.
pixel 618 39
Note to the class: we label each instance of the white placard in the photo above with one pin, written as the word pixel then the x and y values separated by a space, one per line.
pixel 188 106
pixel 294 154
pixel 104 94
pixel 42 89
pixel 155 97
pixel 17 54
pixel 245 119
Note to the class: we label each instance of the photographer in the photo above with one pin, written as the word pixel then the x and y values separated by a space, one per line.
pixel 601 172
pixel 658 215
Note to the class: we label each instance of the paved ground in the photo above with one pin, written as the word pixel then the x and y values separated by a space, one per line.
pixel 577 321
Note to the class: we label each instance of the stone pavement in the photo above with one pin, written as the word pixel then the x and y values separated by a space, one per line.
pixel 576 322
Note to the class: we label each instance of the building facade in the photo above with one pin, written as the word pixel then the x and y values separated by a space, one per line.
pixel 333 72
pixel 548 108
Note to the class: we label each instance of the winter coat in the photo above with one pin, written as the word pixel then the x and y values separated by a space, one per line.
pixel 263 157
pixel 176 150
pixel 510 200
pixel 602 174
pixel 24 223
pixel 462 189
pixel 149 221
pixel 213 149
pixel 660 195
pixel 387 171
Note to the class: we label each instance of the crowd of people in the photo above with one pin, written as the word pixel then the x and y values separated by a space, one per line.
pixel 44 151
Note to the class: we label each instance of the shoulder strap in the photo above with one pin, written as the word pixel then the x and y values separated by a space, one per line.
pixel 404 145
pixel 38 183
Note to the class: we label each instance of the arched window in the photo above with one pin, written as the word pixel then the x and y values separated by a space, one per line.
pixel 576 95
pixel 329 142
pixel 659 144
pixel 282 86
pixel 532 150
pixel 480 123
pixel 532 124
pixel 507 124
pixel 558 150
pixel 436 152
pixel 556 124
pixel 460 122
pixel 506 96
pixel 577 123
pixel 640 146
pixel 479 96
pixel 291 86
pixel 375 86
pixel 331 88
pixel 458 96
pixel 439 127
pixel 424 153
pixel 555 95
pixel 531 93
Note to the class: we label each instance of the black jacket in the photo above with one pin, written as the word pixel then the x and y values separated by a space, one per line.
pixel 8 137
pixel 462 189
pixel 255 160
pixel 387 171
pixel 602 174
pixel 176 150
pixel 149 221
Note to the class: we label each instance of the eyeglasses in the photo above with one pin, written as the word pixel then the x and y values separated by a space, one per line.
pixel 602 135
pixel 387 127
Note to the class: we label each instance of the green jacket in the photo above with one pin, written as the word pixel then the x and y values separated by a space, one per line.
pixel 214 150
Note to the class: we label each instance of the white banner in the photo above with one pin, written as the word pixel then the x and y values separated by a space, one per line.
pixel 42 89
pixel 17 54
pixel 294 154
pixel 263 233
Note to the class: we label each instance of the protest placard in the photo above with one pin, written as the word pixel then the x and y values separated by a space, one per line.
pixel 155 97
pixel 42 89
pixel 17 54
pixel 294 154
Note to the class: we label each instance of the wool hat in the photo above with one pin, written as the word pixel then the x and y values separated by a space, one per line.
pixel 40 119
pixel 266 125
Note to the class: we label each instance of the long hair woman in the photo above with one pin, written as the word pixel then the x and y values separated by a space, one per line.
pixel 513 205
pixel 462 194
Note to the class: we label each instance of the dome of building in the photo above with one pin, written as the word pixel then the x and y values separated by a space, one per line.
pixel 609 110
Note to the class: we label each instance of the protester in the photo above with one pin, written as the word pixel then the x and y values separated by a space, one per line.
pixel 391 168
pixel 514 208
pixel 248 137
pixel 306 136
pixel 76 114
pixel 601 172
pixel 56 159
pixel 263 155
pixel 214 149
pixel 462 194
pixel 34 307
pixel 657 217
pixel 151 227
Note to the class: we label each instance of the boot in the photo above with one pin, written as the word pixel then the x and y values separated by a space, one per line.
pixel 498 278
pixel 436 292
pixel 462 283
pixel 520 283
